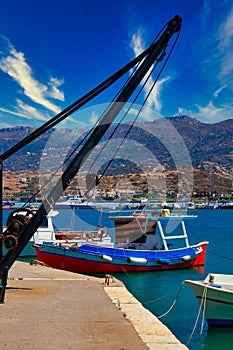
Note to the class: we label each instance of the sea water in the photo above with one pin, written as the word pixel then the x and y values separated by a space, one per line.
pixel 158 291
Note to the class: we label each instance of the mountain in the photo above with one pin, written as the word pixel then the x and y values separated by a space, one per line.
pixel 206 142
pixel 57 141
pixel 209 145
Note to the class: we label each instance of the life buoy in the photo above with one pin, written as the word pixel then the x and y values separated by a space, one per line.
pixel 102 232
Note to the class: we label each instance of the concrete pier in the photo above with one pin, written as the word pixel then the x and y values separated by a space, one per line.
pixel 47 309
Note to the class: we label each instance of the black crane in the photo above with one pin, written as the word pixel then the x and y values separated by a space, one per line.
pixel 22 228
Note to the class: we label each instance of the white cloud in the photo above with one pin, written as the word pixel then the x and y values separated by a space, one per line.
pixel 137 43
pixel 217 92
pixel 14 64
pixel 154 100
pixel 94 117
pixel 224 48
pixel 25 111
pixel 214 51
pixel 225 32
pixel 28 111
pixel 147 114
pixel 210 113
pixel 54 92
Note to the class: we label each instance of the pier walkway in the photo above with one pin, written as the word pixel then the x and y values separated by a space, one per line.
pixel 47 309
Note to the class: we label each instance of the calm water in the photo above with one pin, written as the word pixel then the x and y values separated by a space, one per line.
pixel 154 289
pixel 157 290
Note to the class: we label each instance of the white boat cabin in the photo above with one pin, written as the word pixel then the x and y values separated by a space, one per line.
pixel 139 231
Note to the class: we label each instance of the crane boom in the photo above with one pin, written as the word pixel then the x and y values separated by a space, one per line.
pixel 149 57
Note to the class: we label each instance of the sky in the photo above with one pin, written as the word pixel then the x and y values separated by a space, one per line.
pixel 52 52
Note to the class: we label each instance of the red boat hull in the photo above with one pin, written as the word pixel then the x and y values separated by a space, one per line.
pixel 79 265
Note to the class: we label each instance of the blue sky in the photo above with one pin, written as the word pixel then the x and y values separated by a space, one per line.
pixel 52 52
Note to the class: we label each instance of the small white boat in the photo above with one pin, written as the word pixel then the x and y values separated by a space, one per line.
pixel 74 202
pixel 215 295
pixel 46 234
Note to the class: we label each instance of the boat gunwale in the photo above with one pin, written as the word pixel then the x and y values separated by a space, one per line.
pixel 99 251
pixel 220 287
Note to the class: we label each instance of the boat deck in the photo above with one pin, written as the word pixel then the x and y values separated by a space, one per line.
pixel 218 285
pixel 225 281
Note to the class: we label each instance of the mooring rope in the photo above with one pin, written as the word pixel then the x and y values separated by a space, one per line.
pixel 202 303
pixel 174 302
pixel 218 254
pixel 165 296
pixel 160 298
pixel 38 262
pixel 203 313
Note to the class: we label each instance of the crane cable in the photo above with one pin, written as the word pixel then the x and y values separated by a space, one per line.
pixel 76 105
pixel 77 146
pixel 62 115
pixel 138 114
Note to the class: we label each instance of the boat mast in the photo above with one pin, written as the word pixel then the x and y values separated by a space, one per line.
pixel 152 54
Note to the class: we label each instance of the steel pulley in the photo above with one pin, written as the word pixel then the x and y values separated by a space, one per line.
pixel 16 222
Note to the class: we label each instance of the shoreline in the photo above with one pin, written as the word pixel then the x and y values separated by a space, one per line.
pixel 150 329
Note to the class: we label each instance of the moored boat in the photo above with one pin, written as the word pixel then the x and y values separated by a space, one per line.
pixel 75 202
pixel 46 234
pixel 141 244
pixel 225 205
pixel 215 294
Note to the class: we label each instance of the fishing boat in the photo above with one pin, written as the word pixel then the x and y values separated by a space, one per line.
pixel 215 295
pixel 140 244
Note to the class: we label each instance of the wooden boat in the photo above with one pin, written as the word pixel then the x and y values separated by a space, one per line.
pixel 215 294
pixel 141 244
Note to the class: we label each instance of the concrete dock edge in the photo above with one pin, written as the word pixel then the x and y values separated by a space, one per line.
pixel 70 304
pixel 150 329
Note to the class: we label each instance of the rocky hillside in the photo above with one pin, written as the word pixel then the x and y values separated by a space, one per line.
pixel 207 142
pixel 153 148
pixel 209 145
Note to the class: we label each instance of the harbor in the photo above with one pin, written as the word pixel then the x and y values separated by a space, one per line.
pixel 58 309
pixel 152 292
pixel 109 198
